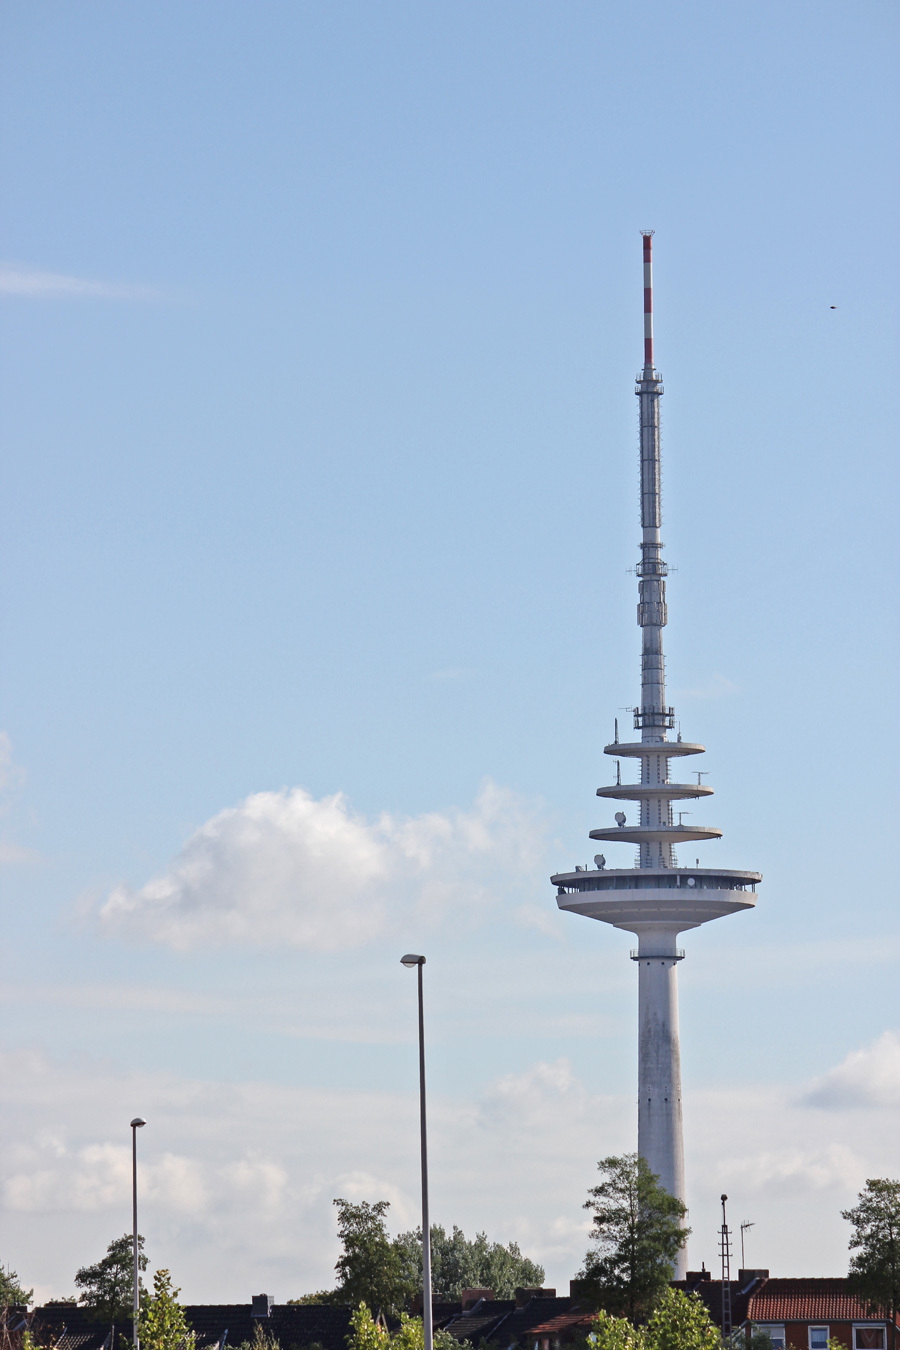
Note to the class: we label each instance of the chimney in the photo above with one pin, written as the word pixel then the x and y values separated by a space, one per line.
pixel 261 1305
pixel 472 1296
pixel 524 1296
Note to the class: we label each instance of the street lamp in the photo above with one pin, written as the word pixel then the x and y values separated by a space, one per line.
pixel 427 1326
pixel 135 1126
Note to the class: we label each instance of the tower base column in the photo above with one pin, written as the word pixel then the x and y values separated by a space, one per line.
pixel 660 1124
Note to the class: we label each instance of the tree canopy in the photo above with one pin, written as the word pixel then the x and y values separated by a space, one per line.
pixel 367 1334
pixel 386 1273
pixel 369 1269
pixel 11 1291
pixel 162 1324
pixel 458 1263
pixel 678 1322
pixel 637 1233
pixel 875 1244
pixel 106 1287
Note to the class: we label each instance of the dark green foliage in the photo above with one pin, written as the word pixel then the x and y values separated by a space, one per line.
pixel 386 1274
pixel 875 1243
pixel 106 1287
pixel 457 1263
pixel 369 1269
pixel 10 1290
pixel 637 1235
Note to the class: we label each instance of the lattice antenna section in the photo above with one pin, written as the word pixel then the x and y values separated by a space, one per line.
pixel 725 1253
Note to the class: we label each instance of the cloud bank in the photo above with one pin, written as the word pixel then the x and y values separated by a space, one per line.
pixel 238 1177
pixel 868 1079
pixel 285 867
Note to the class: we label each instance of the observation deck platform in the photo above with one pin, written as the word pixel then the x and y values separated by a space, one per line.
pixel 654 834
pixel 635 792
pixel 673 898
pixel 634 749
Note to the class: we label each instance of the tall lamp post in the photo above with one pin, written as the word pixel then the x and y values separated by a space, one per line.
pixel 136 1306
pixel 427 1318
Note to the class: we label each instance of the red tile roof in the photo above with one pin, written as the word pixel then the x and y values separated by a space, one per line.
pixel 813 1300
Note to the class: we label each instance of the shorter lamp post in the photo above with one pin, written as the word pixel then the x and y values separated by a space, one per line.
pixel 411 961
pixel 136 1306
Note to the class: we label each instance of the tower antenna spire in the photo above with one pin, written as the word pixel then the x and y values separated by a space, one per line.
pixel 656 899
pixel 648 299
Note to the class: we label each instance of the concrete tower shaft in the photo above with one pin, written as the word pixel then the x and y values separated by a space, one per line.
pixel 656 899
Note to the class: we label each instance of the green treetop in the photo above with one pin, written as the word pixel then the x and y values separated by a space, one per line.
pixel 458 1263
pixel 11 1291
pixel 679 1322
pixel 369 1269
pixel 368 1334
pixel 875 1243
pixel 162 1324
pixel 637 1235
pixel 106 1287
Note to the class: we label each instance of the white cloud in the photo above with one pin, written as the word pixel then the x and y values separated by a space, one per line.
pixel 867 1079
pixel 285 867
pixel 34 284
pixel 237 1179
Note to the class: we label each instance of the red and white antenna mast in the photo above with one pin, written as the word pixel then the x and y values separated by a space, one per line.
pixel 648 300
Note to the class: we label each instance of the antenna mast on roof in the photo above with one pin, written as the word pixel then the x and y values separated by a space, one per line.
pixel 725 1253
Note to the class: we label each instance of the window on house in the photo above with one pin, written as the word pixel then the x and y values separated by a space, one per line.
pixel 868 1338
pixel 774 1333
pixel 818 1338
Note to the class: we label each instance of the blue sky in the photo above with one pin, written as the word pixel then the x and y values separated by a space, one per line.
pixel 319 325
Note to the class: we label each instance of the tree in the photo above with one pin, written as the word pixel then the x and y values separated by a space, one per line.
pixel 10 1290
pixel 368 1334
pixel 369 1269
pixel 637 1234
pixel 458 1263
pixel 162 1324
pixel 615 1333
pixel 875 1267
pixel 681 1322
pixel 678 1322
pixel 107 1286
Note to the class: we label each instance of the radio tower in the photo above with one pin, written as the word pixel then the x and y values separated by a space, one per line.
pixel 657 899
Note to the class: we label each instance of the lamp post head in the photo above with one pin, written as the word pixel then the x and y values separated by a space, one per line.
pixel 137 1123
pixel 411 961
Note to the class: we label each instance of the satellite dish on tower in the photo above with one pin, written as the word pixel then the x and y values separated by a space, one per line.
pixel 620 818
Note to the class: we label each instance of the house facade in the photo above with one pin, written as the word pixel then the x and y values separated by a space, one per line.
pixel 798 1314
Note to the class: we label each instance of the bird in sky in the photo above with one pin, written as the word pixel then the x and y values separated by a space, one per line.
pixel 832 306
